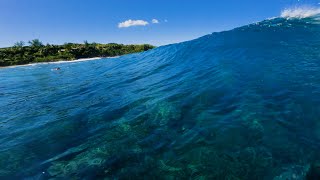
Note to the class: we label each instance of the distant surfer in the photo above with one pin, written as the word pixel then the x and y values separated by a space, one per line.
pixel 57 69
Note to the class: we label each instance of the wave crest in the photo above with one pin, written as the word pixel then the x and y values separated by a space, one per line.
pixel 300 12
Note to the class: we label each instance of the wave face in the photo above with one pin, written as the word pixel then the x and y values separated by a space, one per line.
pixel 240 104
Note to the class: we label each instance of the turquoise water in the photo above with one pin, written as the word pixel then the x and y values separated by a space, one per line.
pixel 240 104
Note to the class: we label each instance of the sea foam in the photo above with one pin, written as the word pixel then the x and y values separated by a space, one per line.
pixel 300 12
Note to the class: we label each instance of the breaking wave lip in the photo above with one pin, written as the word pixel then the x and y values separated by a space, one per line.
pixel 301 13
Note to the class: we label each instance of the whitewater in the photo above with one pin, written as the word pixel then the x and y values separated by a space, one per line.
pixel 238 104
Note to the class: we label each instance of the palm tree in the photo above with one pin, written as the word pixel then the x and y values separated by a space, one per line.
pixel 36 43
pixel 19 44
pixel 86 43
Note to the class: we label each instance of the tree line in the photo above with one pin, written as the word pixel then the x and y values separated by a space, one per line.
pixel 36 51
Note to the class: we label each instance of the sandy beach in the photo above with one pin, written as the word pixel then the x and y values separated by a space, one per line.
pixel 62 61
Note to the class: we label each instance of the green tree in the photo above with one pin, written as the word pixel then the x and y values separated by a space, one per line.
pixel 19 44
pixel 86 43
pixel 36 43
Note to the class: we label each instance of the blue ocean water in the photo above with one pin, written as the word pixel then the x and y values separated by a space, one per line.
pixel 239 104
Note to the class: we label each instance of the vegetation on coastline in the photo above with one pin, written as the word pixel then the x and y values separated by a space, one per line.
pixel 38 52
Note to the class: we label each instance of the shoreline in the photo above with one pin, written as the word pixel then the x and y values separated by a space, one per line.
pixel 62 61
pixel 39 53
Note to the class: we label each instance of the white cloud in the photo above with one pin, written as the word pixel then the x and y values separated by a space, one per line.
pixel 130 23
pixel 155 21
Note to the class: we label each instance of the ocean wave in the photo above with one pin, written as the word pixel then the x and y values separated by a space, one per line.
pixel 240 104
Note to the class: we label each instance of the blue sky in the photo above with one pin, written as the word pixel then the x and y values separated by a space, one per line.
pixel 59 21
